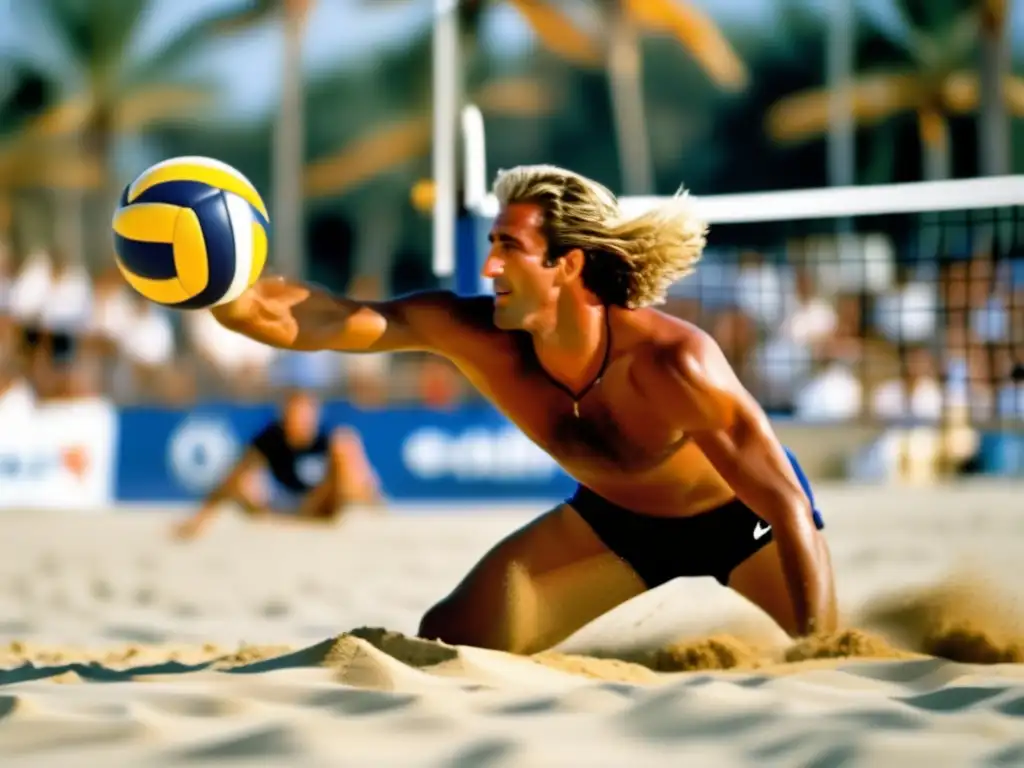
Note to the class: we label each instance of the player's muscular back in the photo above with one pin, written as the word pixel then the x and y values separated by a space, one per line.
pixel 620 444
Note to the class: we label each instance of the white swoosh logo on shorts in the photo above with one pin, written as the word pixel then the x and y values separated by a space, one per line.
pixel 759 531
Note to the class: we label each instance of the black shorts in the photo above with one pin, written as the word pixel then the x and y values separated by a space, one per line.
pixel 661 549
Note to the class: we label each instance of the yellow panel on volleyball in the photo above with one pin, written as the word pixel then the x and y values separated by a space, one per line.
pixel 148 222
pixel 201 169
pixel 153 223
pixel 190 257
pixel 169 291
pixel 259 251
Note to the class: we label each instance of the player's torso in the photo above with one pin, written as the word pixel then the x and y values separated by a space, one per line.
pixel 620 444
pixel 298 468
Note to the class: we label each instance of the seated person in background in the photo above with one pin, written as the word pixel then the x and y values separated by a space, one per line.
pixel 294 467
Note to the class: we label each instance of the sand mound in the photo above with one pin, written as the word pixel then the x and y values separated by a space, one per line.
pixel 967 618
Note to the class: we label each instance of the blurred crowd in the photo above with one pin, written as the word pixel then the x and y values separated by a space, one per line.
pixel 820 342
pixel 837 339
pixel 66 333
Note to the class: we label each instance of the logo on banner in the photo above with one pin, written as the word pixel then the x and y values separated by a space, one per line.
pixel 39 465
pixel 476 454
pixel 201 451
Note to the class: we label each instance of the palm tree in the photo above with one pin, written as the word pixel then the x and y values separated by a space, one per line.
pixel 937 40
pixel 106 90
pixel 994 72
pixel 381 149
pixel 289 152
pixel 612 41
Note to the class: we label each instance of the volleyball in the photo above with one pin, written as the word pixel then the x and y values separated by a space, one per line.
pixel 191 233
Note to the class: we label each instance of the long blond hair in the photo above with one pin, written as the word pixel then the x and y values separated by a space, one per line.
pixel 630 262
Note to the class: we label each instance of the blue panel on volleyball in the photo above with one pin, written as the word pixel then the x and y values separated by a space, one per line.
pixel 216 225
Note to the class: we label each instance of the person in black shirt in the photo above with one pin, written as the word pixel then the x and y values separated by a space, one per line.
pixel 294 468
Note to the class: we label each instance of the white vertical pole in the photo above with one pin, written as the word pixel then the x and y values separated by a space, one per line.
pixel 474 160
pixel 446 95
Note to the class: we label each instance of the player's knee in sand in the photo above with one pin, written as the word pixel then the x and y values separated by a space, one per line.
pixel 534 588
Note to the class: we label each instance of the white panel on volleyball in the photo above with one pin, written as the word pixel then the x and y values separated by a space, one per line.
pixel 242 220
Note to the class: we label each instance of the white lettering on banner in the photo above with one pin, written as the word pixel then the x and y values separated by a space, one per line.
pixel 201 452
pixel 476 454
pixel 61 456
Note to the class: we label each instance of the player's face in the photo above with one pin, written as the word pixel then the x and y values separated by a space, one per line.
pixel 301 416
pixel 523 285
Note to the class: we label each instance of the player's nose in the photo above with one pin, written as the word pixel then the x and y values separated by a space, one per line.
pixel 492 266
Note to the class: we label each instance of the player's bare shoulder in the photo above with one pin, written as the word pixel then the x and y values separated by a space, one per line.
pixel 668 347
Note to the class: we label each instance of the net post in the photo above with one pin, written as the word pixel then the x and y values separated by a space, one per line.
pixel 470 237
pixel 474 168
pixel 445 117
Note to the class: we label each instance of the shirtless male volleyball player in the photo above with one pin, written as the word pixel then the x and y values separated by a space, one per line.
pixel 294 469
pixel 679 471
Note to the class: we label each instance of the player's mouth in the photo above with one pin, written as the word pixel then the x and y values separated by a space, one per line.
pixel 501 294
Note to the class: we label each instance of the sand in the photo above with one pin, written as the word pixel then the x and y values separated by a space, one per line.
pixel 261 645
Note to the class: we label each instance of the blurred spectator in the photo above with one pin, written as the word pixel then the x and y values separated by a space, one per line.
pixel 917 395
pixel 235 364
pixel 1009 385
pixel 147 347
pixel 834 393
pixel 811 318
pixel 439 383
pixel 762 292
pixel 51 301
pixel 17 400
pixel 784 361
pixel 7 328
pixel 988 300
pixel 909 310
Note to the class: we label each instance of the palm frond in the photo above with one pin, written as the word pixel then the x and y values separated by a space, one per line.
pixel 380 150
pixel 558 33
pixel 159 103
pixel 696 31
pixel 242 15
pixel 805 115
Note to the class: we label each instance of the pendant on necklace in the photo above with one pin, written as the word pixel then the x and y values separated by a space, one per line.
pixel 576 408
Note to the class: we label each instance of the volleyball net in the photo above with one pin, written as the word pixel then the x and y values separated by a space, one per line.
pixel 900 302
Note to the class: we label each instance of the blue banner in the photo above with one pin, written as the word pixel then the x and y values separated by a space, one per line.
pixel 420 455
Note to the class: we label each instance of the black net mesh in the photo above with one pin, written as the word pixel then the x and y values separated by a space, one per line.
pixel 910 318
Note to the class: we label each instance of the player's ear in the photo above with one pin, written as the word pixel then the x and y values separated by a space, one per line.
pixel 571 264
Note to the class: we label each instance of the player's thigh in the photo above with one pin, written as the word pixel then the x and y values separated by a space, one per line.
pixel 534 588
pixel 761 580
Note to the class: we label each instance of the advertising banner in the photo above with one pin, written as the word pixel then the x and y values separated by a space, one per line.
pixel 420 455
pixel 58 456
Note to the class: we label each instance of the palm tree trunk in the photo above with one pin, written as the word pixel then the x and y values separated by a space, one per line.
pixel 289 150
pixel 625 85
pixel 993 66
pixel 934 131
pixel 377 236
pixel 842 160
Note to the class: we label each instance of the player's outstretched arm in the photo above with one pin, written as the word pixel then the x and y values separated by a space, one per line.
pixel 292 315
pixel 701 395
